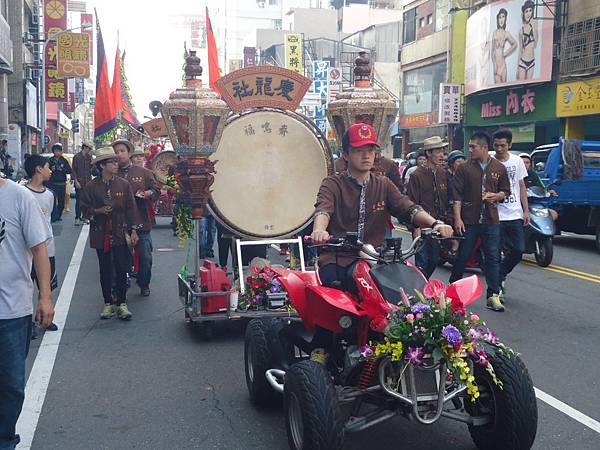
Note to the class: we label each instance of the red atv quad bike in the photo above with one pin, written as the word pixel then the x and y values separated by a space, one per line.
pixel 324 401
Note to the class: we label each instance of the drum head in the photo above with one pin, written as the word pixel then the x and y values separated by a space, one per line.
pixel 161 163
pixel 269 170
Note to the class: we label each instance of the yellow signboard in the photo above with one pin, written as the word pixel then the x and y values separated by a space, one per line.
pixel 578 98
pixel 73 55
pixel 294 52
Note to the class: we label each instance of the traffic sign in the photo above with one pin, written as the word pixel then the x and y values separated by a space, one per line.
pixel 46 140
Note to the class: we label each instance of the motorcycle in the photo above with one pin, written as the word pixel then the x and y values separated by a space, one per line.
pixel 540 232
pixel 347 392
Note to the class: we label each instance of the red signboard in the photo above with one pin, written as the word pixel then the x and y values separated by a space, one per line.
pixel 55 20
pixel 415 120
pixel 87 28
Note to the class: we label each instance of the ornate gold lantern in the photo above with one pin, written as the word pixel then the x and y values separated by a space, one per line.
pixel 195 117
pixel 363 103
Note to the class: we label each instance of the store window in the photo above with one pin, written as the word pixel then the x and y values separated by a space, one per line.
pixel 410 26
pixel 429 19
pixel 421 22
pixel 421 88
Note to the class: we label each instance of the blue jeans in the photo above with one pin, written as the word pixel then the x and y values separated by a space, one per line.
pixel 15 335
pixel 144 248
pixel 428 257
pixel 490 243
pixel 512 238
pixel 208 231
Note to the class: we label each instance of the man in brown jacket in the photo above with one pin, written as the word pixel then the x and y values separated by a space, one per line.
pixel 82 175
pixel 382 166
pixel 427 187
pixel 357 201
pixel 145 189
pixel 108 202
pixel 478 186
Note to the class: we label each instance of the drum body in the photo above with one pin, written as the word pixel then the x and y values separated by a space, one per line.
pixel 162 163
pixel 270 166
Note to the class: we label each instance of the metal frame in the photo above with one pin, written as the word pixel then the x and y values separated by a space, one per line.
pixel 238 252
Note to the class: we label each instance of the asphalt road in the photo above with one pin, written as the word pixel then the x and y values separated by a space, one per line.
pixel 156 383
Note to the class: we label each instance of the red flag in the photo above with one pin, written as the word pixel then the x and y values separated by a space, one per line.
pixel 129 115
pixel 116 84
pixel 104 111
pixel 213 57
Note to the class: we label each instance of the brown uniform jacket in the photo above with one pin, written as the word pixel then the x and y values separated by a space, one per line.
pixel 82 168
pixel 124 211
pixel 421 191
pixel 383 166
pixel 142 179
pixel 467 189
pixel 339 197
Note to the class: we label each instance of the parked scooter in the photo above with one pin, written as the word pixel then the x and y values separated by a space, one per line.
pixel 540 232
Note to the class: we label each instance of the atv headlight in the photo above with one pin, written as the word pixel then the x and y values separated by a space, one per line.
pixel 345 322
pixel 540 212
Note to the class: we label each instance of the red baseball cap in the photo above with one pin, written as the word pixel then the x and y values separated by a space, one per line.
pixel 362 134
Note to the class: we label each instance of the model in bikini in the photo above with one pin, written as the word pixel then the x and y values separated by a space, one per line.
pixel 528 37
pixel 499 39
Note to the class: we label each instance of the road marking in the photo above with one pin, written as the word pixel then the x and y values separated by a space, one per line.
pixel 39 378
pixel 566 271
pixel 566 409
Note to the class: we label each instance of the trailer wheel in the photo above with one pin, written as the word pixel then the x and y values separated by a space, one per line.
pixel 312 415
pixel 257 360
pixel 512 409
pixel 544 251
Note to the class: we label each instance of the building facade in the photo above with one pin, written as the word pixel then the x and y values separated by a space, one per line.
pixel 6 66
pixel 578 89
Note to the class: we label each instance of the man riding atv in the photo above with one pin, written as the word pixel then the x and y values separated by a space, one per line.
pixel 357 201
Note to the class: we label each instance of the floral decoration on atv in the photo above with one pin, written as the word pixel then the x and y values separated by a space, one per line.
pixel 437 327
pixel 262 286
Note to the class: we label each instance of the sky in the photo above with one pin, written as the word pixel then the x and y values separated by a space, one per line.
pixel 152 33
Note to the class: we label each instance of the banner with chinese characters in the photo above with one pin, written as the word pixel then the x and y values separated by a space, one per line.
pixel 518 104
pixel 294 52
pixel 55 21
pixel 263 86
pixel 249 56
pixel 449 104
pixel 320 85
pixel 578 98
pixel 73 55
pixel 509 43
pixel 87 27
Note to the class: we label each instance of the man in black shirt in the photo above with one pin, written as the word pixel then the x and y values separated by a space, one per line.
pixel 60 168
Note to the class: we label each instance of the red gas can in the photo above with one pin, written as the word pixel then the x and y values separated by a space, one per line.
pixel 214 279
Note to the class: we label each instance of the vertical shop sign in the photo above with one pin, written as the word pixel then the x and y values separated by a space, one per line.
pixel 449 104
pixel 55 21
pixel 87 21
pixel 294 52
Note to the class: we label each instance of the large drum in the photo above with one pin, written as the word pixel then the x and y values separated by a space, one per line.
pixel 270 166
pixel 162 163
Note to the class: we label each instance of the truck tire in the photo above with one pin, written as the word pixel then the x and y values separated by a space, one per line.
pixel 513 407
pixel 312 415
pixel 257 360
pixel 544 251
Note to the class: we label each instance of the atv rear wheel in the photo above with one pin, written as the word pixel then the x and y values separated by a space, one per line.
pixel 257 360
pixel 513 408
pixel 313 418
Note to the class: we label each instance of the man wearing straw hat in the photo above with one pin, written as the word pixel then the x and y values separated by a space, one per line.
pixel 82 175
pixel 109 203
pixel 146 190
pixel 427 187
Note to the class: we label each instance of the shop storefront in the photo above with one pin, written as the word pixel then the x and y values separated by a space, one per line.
pixel 420 96
pixel 578 107
pixel 528 111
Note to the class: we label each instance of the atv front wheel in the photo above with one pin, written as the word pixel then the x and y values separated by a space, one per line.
pixel 512 408
pixel 313 418
pixel 257 360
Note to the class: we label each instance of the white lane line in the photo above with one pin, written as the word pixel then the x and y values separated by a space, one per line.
pixel 566 409
pixel 39 378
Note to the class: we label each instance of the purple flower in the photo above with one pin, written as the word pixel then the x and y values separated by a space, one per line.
pixel 452 335
pixel 491 337
pixel 420 308
pixel 480 356
pixel 475 334
pixel 415 355
pixel 419 315
pixel 366 351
